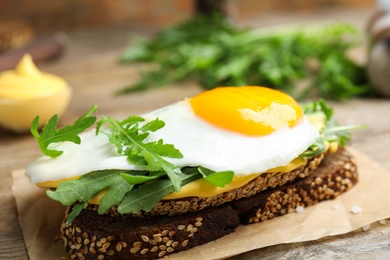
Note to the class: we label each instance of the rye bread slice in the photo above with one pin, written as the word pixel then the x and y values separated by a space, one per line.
pixel 93 236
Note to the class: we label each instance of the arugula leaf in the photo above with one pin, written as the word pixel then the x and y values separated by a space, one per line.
pixel 87 186
pixel 148 195
pixel 330 131
pixel 315 149
pixel 115 193
pixel 70 133
pixel 219 179
pixel 129 139
pixel 138 179
pixel 75 212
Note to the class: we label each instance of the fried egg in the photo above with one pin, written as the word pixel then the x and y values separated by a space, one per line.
pixel 247 130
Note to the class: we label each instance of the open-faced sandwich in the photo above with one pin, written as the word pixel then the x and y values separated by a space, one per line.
pixel 148 186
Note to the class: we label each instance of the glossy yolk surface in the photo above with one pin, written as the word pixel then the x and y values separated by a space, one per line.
pixel 253 111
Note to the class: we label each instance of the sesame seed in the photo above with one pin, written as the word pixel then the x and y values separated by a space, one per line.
pixel 194 230
pixel 118 247
pixel 170 249
pixel 162 253
pixel 198 224
pixel 100 257
pixel 106 245
pixel 172 233
pixel 137 244
pixel 181 227
pixel 92 250
pixel 78 230
pixel 134 250
pixel 164 233
pixel 174 244
pixel 111 252
pixel 144 251
pixel 189 227
pixel 162 247
pixel 145 238
pixel 154 249
pixel 169 243
pixel 184 243
pixel 124 244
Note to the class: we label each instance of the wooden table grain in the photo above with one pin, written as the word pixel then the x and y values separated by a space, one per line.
pixel 90 66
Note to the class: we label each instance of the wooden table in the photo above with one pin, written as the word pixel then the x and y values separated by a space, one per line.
pixel 90 66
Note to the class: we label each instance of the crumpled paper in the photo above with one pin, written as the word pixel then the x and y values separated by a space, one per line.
pixel 40 218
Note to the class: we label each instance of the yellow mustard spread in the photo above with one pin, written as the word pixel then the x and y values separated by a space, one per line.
pixel 26 92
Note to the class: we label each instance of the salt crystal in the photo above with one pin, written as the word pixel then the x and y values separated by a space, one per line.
pixel 336 206
pixel 299 209
pixel 366 227
pixel 356 209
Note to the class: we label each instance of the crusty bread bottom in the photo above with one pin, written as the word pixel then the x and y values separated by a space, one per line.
pixel 93 236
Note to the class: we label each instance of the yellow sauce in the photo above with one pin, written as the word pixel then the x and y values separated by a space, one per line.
pixel 26 92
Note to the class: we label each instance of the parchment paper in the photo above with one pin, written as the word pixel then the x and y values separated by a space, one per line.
pixel 40 218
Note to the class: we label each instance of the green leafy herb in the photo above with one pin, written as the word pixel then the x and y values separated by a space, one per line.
pixel 70 133
pixel 219 179
pixel 75 212
pixel 330 131
pixel 129 139
pixel 138 179
pixel 149 194
pixel 210 49
pixel 87 186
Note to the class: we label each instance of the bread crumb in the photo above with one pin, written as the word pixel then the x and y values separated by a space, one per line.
pixel 383 221
pixel 336 206
pixel 299 209
pixel 366 227
pixel 356 209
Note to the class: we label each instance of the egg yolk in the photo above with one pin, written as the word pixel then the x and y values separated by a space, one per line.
pixel 248 110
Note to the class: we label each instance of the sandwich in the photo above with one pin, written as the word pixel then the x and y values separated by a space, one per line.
pixel 189 173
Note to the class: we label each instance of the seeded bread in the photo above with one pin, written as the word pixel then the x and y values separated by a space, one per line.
pixel 93 236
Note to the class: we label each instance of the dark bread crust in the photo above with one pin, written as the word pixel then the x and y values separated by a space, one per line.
pixel 94 236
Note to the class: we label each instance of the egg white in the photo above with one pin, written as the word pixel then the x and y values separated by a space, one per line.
pixel 201 143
